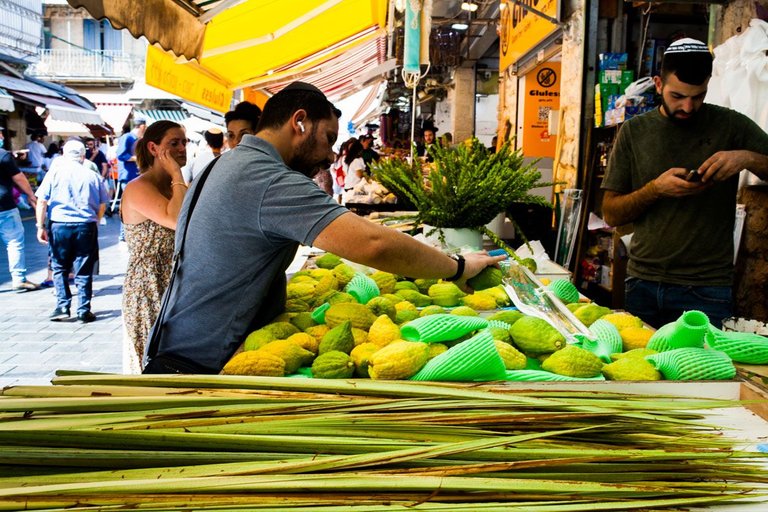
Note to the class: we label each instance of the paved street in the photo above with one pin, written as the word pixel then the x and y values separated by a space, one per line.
pixel 32 348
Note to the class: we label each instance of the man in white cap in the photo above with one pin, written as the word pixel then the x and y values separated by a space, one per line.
pixel 673 174
pixel 75 197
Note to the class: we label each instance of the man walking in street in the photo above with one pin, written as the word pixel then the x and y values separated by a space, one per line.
pixel 126 158
pixel 77 198
pixel 11 228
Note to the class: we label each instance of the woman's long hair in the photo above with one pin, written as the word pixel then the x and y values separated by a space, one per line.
pixel 154 133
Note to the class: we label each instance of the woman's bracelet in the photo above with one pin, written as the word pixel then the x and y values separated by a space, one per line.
pixel 179 183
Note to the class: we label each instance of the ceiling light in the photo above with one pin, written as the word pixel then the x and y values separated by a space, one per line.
pixel 459 26
pixel 468 6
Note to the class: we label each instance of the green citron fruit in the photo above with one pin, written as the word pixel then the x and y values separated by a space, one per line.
pixel 464 311
pixel 328 261
pixel 333 365
pixel 445 294
pixel 417 299
pixel 530 264
pixel 573 361
pixel 432 310
pixel 535 336
pixel 385 281
pixel 487 278
pixel 479 301
pixel 631 368
pixel 382 306
pixel 339 338
pixel 513 358
pixel 406 285
pixel 508 317
pixel 588 313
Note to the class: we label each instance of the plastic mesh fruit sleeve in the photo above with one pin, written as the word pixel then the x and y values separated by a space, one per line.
pixel 441 327
pixel 475 359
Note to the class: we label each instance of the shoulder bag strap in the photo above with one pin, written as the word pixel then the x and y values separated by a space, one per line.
pixel 154 340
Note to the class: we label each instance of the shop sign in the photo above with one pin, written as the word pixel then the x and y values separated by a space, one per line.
pixel 542 96
pixel 185 81
pixel 521 30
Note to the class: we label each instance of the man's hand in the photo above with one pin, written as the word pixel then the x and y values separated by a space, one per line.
pixel 474 263
pixel 42 236
pixel 724 164
pixel 672 183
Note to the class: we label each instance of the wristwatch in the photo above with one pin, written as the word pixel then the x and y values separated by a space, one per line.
pixel 40 226
pixel 460 268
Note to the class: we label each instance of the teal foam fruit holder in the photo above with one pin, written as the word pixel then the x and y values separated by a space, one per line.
pixel 742 347
pixel 441 327
pixel 689 330
pixel 693 363
pixel 362 288
pixel 475 359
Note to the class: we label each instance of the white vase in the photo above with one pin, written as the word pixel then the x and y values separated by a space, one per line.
pixel 455 238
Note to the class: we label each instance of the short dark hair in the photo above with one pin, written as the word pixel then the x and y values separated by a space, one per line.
pixel 296 96
pixel 244 111
pixel 693 68
pixel 155 133
pixel 214 140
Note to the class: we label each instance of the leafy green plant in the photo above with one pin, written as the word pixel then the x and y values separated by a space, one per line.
pixel 466 187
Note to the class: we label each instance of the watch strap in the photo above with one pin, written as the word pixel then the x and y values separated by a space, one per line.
pixel 460 268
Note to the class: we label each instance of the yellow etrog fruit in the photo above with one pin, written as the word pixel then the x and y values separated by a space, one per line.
pixel 501 334
pixel 398 360
pixel 339 338
pixel 513 358
pixel 281 330
pixel 317 332
pixel 305 341
pixel 435 349
pixel 573 361
pixel 333 365
pixel 480 301
pixel 344 274
pixel 535 336
pixel 324 285
pixel 297 306
pixel 405 312
pixel 294 356
pixel 635 337
pixel 360 336
pixel 385 281
pixel 318 273
pixel 406 285
pixel 498 293
pixel 631 368
pixel 301 291
pixel 383 331
pixel 356 313
pixel 423 285
pixel 255 362
pixel 623 320
pixel 638 352
pixel 360 355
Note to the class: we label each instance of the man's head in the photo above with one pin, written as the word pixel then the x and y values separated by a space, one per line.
pixel 90 144
pixel 214 138
pixel 74 150
pixel 241 121
pixel 303 114
pixel 429 135
pixel 139 126
pixel 685 71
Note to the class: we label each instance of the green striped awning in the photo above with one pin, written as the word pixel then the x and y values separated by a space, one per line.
pixel 153 115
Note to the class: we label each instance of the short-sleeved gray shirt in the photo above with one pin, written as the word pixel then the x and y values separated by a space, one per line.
pixel 683 240
pixel 244 232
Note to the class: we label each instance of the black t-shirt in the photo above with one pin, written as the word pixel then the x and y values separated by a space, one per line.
pixel 99 159
pixel 8 170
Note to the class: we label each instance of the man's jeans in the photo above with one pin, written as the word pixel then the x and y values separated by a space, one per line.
pixel 660 303
pixel 74 245
pixel 12 235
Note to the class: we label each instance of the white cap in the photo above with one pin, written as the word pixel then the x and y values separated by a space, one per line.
pixel 687 45
pixel 74 149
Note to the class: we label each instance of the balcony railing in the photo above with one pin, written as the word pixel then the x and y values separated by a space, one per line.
pixel 88 65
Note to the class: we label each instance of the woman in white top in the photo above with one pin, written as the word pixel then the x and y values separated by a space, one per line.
pixel 353 162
